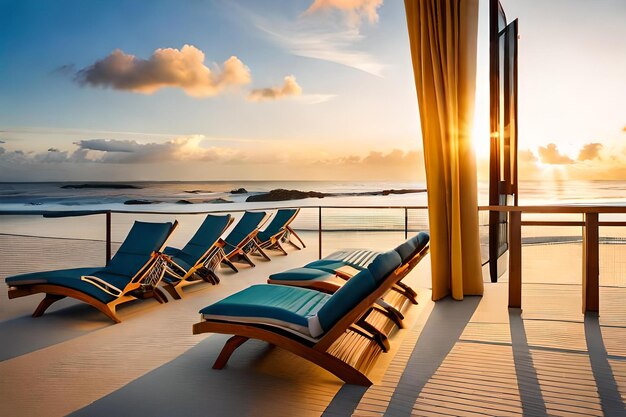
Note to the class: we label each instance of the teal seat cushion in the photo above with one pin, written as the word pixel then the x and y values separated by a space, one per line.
pixel 345 299
pixel 71 278
pixel 205 237
pixel 300 274
pixel 171 251
pixel 280 220
pixel 383 265
pixel 279 305
pixel 412 246
pixel 43 277
pixel 181 258
pixel 248 223
pixel 143 239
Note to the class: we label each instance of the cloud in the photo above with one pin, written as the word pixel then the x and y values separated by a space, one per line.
pixel 317 37
pixel 355 10
pixel 111 145
pixel 180 149
pixel 550 155
pixel 392 159
pixel 115 151
pixel 289 88
pixel 526 156
pixel 167 67
pixel 375 165
pixel 332 46
pixel 590 151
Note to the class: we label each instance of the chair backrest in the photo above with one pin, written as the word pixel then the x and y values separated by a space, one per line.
pixel 136 250
pixel 281 219
pixel 248 224
pixel 357 289
pixel 412 246
pixel 206 236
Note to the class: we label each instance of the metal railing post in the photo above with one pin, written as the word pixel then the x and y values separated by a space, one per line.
pixel 319 231
pixel 406 223
pixel 108 237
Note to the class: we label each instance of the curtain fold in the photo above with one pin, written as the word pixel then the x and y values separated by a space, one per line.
pixel 443 37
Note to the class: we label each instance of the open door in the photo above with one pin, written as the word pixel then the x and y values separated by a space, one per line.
pixel 503 189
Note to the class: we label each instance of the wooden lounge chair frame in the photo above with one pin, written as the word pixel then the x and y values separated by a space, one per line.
pixel 144 284
pixel 202 271
pixel 333 283
pixel 241 252
pixel 314 351
pixel 284 235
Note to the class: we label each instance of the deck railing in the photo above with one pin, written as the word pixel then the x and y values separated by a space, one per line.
pixel 334 220
pixel 590 255
pixel 323 222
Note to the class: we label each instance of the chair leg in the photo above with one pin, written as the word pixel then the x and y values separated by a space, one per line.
pixel 244 256
pixel 291 231
pixel 48 300
pixel 262 253
pixel 256 248
pixel 391 314
pixel 173 291
pixel 370 332
pixel 405 293
pixel 407 288
pixel 228 349
pixel 214 277
pixel 280 247
pixel 388 307
pixel 159 296
pixel 207 275
pixel 230 264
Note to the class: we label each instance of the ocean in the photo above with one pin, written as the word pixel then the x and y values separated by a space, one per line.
pixel 217 195
pixel 193 196
pixel 171 200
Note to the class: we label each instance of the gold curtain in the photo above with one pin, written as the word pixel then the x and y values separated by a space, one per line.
pixel 443 36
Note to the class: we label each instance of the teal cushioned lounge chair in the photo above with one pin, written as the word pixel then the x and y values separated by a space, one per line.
pixel 330 273
pixel 240 241
pixel 309 323
pixel 196 261
pixel 134 272
pixel 279 230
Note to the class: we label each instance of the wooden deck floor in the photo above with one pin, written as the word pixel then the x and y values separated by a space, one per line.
pixel 454 358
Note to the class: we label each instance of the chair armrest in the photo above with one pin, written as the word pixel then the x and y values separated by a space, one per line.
pixel 155 272
pixel 102 285
pixel 346 272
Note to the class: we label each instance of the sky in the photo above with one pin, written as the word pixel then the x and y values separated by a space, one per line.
pixel 303 89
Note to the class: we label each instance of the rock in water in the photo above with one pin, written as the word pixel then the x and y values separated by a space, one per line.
pixel 138 202
pixel 283 195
